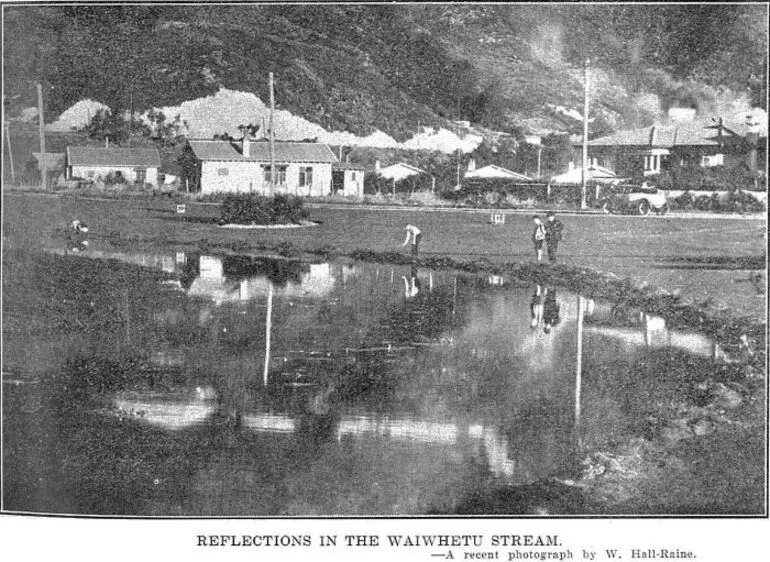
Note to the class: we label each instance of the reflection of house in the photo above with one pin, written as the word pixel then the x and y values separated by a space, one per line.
pixel 650 150
pixel 651 332
pixel 171 411
pixel 317 280
pixel 301 168
pixel 348 179
pixel 133 165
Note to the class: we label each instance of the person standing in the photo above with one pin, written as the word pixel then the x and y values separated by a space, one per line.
pixel 553 228
pixel 538 237
pixel 416 235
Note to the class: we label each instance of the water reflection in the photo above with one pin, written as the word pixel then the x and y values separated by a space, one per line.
pixel 371 389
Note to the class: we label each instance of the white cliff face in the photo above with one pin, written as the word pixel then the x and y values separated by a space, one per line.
pixel 227 109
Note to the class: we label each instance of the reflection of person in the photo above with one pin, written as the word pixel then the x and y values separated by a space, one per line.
pixel 551 310
pixel 413 285
pixel 416 235
pixel 536 306
pixel 553 228
pixel 538 237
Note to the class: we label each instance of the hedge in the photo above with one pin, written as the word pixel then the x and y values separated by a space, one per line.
pixel 257 209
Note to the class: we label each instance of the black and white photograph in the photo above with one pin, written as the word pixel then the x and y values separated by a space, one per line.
pixel 484 268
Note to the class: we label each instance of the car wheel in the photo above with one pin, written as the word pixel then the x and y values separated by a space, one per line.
pixel 643 207
pixel 663 209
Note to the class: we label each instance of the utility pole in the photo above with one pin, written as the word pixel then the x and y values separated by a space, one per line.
pixel 585 136
pixel 41 123
pixel 272 139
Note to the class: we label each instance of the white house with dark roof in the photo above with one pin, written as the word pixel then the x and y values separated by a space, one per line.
pixel 651 149
pixel 134 165
pixel 301 168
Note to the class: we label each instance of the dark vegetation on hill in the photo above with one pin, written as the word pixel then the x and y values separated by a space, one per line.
pixel 360 68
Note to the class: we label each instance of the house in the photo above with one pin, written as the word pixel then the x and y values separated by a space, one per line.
pixel 650 150
pixel 594 173
pixel 398 171
pixel 133 165
pixel 301 168
pixel 492 171
pixel 348 179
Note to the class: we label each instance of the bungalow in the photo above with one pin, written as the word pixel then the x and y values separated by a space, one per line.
pixel 398 171
pixel 133 165
pixel 648 151
pixel 492 171
pixel 301 168
pixel 594 173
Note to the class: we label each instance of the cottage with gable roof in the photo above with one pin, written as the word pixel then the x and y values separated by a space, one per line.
pixel 301 168
pixel 133 165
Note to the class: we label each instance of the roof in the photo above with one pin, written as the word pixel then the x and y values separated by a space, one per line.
pixel 94 156
pixel 347 166
pixel 404 165
pixel 668 136
pixel 51 160
pixel 260 151
pixel 496 171
pixel 575 175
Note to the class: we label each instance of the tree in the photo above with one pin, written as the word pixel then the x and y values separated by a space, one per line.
pixel 113 126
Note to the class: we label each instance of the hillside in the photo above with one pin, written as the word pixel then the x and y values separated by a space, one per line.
pixel 361 68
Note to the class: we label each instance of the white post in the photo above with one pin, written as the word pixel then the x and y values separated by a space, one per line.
pixel 10 154
pixel 41 129
pixel 585 136
pixel 272 139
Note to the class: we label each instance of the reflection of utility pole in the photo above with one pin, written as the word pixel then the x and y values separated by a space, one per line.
pixel 7 128
pixel 585 136
pixel 268 328
pixel 41 126
pixel 579 366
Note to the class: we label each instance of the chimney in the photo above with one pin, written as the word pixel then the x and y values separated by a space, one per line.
pixel 246 146
pixel 106 142
pixel 471 165
pixel 376 165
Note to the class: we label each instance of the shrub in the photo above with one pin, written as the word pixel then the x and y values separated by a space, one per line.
pixel 257 209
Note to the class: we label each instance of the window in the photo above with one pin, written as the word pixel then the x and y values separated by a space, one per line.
pixel 141 175
pixel 280 174
pixel 652 163
pixel 713 160
pixel 305 176
pixel 223 171
pixel 353 176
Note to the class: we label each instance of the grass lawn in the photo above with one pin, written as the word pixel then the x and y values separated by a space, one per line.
pixel 703 257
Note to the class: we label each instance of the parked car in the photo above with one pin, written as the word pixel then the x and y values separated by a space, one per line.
pixel 634 198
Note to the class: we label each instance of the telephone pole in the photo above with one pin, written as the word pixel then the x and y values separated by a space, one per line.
pixel 585 136
pixel 272 139
pixel 41 128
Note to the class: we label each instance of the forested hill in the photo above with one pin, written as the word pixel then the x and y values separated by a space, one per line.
pixel 391 67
